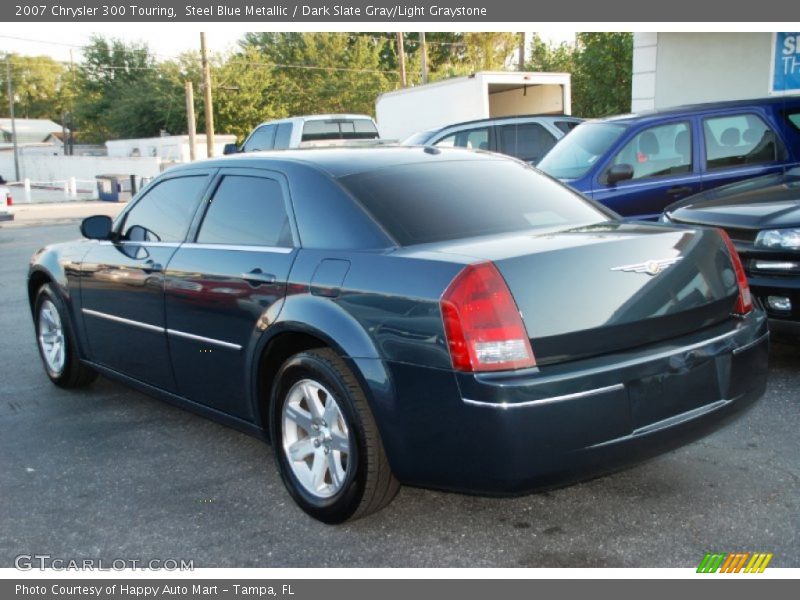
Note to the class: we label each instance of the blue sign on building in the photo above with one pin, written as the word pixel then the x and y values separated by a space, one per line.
pixel 786 64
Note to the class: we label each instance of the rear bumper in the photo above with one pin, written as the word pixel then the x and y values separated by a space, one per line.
pixel 516 432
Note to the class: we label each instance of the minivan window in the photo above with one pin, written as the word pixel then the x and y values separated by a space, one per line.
pixel 164 213
pixel 661 150
pixel 526 141
pixel 476 139
pixel 575 154
pixel 246 211
pixel 423 203
pixel 794 119
pixel 262 138
pixel 737 140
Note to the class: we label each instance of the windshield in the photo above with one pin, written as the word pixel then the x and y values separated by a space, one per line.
pixel 434 202
pixel 576 153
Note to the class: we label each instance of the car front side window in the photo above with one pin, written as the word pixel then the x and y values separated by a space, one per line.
pixel 262 138
pixel 658 151
pixel 165 212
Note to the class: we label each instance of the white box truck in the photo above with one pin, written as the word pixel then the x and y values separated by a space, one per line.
pixel 482 95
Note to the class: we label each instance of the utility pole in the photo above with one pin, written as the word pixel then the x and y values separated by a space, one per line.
pixel 424 48
pixel 401 58
pixel 190 120
pixel 207 98
pixel 64 139
pixel 11 114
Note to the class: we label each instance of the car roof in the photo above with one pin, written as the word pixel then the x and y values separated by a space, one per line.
pixel 688 109
pixel 546 116
pixel 338 162
pixel 303 118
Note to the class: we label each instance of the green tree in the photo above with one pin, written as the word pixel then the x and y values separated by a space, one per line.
pixel 125 93
pixel 605 68
pixel 601 67
pixel 246 93
pixel 42 87
pixel 323 72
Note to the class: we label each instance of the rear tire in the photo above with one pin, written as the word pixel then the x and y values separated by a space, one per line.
pixel 327 446
pixel 56 341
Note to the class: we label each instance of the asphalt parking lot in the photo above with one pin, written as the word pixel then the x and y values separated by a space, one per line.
pixel 110 473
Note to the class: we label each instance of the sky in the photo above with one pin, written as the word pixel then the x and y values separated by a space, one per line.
pixel 165 40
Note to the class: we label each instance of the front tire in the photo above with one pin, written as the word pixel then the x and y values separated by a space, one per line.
pixel 56 342
pixel 326 443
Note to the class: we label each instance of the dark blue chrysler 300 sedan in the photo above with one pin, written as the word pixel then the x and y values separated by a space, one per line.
pixel 438 318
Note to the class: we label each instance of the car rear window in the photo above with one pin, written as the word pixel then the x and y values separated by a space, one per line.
pixel 440 201
pixel 566 126
pixel 339 129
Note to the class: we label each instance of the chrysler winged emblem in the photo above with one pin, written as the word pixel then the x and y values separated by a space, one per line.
pixel 651 267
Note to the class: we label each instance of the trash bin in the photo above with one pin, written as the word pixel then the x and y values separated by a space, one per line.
pixel 113 187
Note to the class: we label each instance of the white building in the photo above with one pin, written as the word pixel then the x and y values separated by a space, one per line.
pixel 670 69
pixel 169 148
pixel 31 131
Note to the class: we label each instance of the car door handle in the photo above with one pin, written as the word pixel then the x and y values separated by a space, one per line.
pixel 679 190
pixel 151 266
pixel 257 277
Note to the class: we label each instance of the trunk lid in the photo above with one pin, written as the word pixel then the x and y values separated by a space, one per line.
pixel 607 287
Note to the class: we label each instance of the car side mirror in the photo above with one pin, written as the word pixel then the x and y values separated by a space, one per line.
pixel 619 172
pixel 97 227
pixel 230 149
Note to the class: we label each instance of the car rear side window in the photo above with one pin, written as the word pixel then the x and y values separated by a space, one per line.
pixel 657 151
pixel 249 211
pixel 739 140
pixel 433 202
pixel 165 211
pixel 566 126
pixel 526 141
pixel 262 138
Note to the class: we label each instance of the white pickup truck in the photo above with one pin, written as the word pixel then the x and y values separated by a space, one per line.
pixel 309 130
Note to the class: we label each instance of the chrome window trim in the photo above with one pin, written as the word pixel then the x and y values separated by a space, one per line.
pixel 140 243
pixel 550 400
pixel 116 319
pixel 200 338
pixel 238 247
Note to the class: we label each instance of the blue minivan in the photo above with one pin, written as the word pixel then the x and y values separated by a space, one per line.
pixel 638 164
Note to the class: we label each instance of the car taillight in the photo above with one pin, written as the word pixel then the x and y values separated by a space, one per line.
pixel 482 322
pixel 744 304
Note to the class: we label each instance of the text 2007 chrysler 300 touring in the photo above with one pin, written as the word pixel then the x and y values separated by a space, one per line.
pixel 447 319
